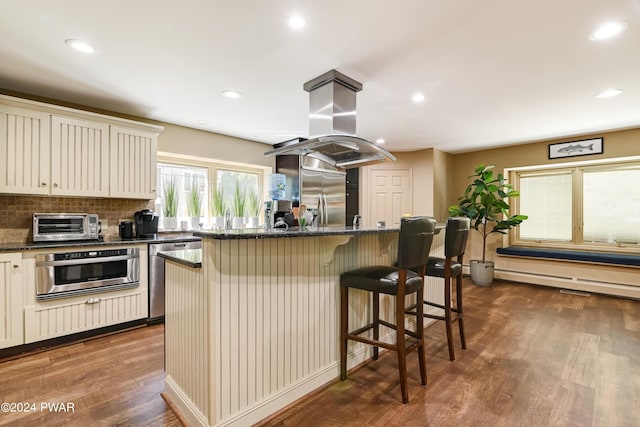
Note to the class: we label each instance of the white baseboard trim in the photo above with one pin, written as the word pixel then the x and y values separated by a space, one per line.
pixel 183 404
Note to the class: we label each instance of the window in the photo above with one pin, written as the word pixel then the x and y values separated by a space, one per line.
pixel 197 176
pixel 583 205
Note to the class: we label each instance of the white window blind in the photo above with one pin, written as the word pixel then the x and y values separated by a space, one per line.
pixel 547 200
pixel 612 205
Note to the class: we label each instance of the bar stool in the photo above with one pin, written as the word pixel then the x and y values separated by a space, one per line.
pixel 416 235
pixel 457 232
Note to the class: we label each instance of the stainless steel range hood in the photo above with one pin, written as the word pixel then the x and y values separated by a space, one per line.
pixel 332 126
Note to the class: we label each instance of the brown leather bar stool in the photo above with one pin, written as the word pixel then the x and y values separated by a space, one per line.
pixel 457 232
pixel 416 235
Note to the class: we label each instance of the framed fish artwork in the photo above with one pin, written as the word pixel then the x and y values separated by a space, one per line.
pixel 583 147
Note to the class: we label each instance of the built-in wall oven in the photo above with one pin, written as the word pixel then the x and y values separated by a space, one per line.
pixel 67 274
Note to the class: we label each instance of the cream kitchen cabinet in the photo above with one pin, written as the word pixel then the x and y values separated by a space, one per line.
pixel 52 150
pixel 11 300
pixel 79 157
pixel 57 318
pixel 25 146
pixel 133 163
pixel 66 316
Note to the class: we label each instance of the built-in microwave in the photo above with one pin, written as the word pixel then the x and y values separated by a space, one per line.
pixel 67 274
pixel 62 227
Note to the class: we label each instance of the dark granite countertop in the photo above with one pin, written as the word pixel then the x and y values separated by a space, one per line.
pixel 24 246
pixel 188 257
pixel 257 233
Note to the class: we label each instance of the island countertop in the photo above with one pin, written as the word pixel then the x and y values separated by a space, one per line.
pixel 188 257
pixel 259 233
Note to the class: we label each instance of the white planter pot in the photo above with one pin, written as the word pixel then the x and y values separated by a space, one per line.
pixel 252 222
pixel 170 222
pixel 481 272
pixel 237 222
pixel 217 222
pixel 195 222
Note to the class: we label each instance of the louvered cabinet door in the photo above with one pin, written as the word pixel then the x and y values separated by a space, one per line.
pixel 79 157
pixel 11 301
pixel 133 163
pixel 24 151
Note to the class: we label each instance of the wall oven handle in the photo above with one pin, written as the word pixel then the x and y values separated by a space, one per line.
pixel 93 301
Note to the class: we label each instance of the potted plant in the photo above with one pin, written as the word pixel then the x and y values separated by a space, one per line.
pixel 239 205
pixel 170 203
pixel 194 203
pixel 485 204
pixel 218 208
pixel 254 204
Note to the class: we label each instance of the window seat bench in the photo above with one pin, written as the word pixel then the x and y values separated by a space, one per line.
pixel 581 256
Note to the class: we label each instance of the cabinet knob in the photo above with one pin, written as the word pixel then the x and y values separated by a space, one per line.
pixel 44 184
pixel 55 185
pixel 16 266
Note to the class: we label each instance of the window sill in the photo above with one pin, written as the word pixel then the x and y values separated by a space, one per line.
pixel 579 256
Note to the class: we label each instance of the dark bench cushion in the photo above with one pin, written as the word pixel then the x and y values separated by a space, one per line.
pixel 595 257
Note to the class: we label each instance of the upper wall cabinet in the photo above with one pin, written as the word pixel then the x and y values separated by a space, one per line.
pixel 133 163
pixel 79 157
pixel 51 150
pixel 24 151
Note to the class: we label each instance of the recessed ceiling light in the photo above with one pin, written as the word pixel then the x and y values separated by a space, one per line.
pixel 609 93
pixel 608 30
pixel 202 122
pixel 297 22
pixel 418 97
pixel 79 45
pixel 232 94
pixel 380 141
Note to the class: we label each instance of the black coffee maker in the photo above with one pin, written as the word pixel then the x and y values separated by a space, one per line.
pixel 146 224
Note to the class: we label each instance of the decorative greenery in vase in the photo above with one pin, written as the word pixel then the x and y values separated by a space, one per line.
pixel 194 201
pixel 217 202
pixel 239 201
pixel 253 204
pixel 171 197
pixel 484 203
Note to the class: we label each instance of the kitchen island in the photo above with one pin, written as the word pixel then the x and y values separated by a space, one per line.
pixel 256 327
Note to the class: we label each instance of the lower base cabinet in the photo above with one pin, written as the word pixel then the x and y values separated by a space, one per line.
pixel 52 319
pixel 11 300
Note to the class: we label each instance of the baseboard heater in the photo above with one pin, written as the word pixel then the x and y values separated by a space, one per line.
pixel 566 282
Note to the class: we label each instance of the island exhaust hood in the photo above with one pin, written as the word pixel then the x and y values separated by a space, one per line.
pixel 332 126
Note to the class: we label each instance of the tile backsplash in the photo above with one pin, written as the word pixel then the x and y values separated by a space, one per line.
pixel 16 213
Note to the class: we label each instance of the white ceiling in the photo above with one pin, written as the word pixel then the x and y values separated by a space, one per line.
pixel 494 72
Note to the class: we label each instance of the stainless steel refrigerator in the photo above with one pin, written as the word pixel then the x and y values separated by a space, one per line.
pixel 316 184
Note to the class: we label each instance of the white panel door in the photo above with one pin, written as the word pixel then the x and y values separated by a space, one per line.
pixel 79 157
pixel 24 151
pixel 391 195
pixel 133 163
pixel 11 301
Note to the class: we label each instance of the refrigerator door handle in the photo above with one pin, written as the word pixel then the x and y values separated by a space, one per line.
pixel 320 211
pixel 324 208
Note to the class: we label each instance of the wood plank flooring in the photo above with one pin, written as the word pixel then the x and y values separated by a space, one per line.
pixel 535 357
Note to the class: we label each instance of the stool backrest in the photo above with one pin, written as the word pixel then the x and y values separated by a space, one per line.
pixel 414 242
pixel 456 236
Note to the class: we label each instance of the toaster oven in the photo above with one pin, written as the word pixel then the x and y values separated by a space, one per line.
pixel 62 227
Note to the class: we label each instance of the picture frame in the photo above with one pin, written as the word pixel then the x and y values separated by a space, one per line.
pixel 582 147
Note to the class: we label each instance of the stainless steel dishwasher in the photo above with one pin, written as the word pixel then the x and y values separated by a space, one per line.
pixel 156 275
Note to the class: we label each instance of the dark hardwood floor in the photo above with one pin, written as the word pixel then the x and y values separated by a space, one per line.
pixel 535 357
